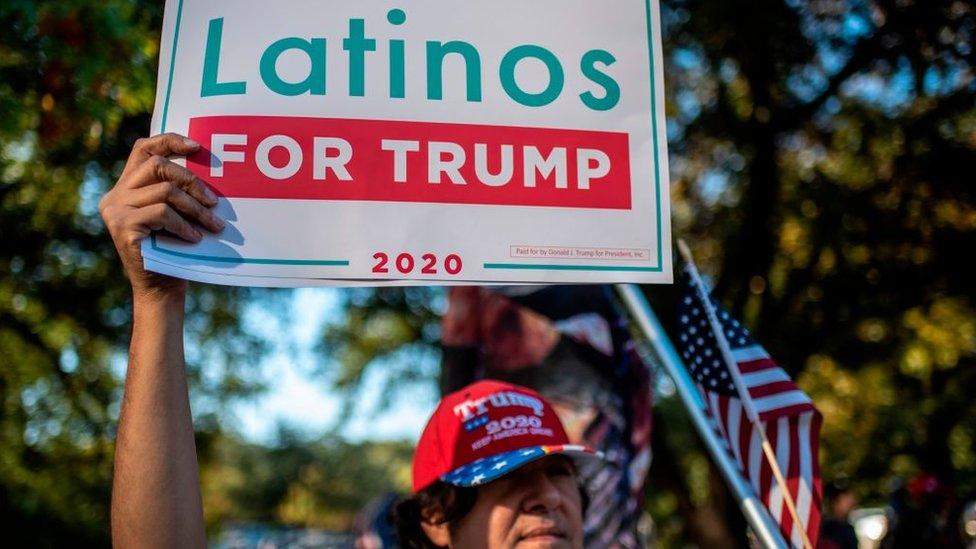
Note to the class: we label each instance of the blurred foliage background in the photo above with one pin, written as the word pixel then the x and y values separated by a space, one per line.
pixel 822 157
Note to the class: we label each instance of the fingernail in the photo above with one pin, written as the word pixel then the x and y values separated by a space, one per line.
pixel 197 235
pixel 209 194
pixel 219 222
pixel 190 143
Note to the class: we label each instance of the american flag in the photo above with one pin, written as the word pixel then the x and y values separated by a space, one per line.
pixel 786 414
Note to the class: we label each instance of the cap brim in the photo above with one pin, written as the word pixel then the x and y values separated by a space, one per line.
pixel 490 468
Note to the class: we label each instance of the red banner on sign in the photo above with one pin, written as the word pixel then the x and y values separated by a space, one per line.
pixel 342 159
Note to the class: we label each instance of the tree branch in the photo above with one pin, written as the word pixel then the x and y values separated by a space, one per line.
pixel 864 52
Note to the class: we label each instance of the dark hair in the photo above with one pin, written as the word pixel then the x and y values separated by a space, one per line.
pixel 440 503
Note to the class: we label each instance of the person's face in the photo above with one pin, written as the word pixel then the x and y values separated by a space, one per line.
pixel 537 506
pixel 844 503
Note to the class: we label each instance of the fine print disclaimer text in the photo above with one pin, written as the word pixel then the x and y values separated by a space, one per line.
pixel 570 252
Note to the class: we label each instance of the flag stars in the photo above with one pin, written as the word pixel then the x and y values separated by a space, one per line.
pixel 700 330
pixel 698 346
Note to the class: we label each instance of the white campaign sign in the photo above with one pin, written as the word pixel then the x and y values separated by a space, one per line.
pixel 427 142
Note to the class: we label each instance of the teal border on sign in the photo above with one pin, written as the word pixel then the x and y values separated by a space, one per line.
pixel 535 266
pixel 172 62
pixel 521 266
pixel 254 261
pixel 657 188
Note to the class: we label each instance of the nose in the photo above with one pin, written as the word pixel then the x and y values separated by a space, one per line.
pixel 541 494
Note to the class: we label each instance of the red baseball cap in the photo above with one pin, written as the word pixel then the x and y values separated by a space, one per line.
pixel 486 430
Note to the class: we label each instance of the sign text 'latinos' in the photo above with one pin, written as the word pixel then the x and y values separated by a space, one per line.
pixel 356 45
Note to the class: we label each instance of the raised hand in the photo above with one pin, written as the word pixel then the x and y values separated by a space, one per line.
pixel 152 194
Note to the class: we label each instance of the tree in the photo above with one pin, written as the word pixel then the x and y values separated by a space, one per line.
pixel 76 88
pixel 821 154
pixel 303 483
pixel 842 130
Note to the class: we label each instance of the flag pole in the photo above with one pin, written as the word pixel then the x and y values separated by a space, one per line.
pixel 766 530
pixel 743 391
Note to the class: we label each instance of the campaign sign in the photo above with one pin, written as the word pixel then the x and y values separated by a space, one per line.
pixel 429 141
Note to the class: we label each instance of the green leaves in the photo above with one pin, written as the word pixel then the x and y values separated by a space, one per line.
pixel 822 167
pixel 76 88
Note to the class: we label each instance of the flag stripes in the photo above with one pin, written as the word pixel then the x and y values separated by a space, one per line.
pixel 786 415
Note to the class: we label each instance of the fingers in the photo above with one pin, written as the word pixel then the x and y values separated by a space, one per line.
pixel 188 206
pixel 157 169
pixel 164 145
pixel 162 217
pixel 155 193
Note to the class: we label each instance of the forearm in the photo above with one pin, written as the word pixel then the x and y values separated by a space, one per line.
pixel 155 493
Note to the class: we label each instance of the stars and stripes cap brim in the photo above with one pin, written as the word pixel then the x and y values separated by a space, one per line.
pixel 493 467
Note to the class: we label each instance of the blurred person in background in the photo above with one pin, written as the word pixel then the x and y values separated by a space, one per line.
pixel 924 515
pixel 967 525
pixel 374 523
pixel 836 531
